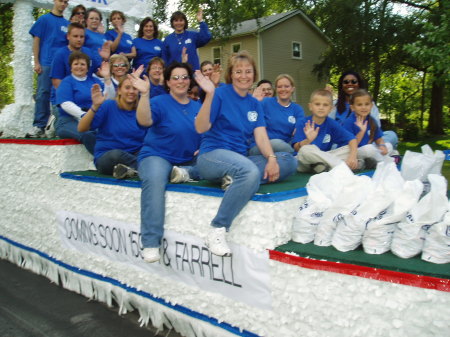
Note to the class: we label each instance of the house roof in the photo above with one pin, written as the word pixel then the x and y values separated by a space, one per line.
pixel 264 23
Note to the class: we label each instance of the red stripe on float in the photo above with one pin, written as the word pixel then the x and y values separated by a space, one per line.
pixel 413 280
pixel 47 142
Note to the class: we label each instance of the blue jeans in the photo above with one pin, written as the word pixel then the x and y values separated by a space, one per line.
pixel 247 174
pixel 154 172
pixel 106 162
pixel 66 127
pixel 278 145
pixel 42 100
pixel 390 137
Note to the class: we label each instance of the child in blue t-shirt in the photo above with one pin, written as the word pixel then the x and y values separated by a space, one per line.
pixel 369 136
pixel 316 134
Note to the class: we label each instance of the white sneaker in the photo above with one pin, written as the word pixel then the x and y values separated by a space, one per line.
pixel 226 182
pixel 50 131
pixel 122 171
pixel 217 243
pixel 36 132
pixel 151 255
pixel 179 175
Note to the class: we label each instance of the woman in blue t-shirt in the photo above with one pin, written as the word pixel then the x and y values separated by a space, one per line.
pixel 169 149
pixel 119 138
pixel 73 97
pixel 147 44
pixel 229 119
pixel 94 38
pixel 280 113
pixel 122 43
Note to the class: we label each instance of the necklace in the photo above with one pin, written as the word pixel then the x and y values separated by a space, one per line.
pixel 179 37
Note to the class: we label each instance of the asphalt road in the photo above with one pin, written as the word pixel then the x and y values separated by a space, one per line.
pixel 31 306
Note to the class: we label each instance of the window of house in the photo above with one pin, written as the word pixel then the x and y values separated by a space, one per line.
pixel 217 55
pixel 297 50
pixel 235 47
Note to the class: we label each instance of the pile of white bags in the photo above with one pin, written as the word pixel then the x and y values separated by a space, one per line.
pixel 389 211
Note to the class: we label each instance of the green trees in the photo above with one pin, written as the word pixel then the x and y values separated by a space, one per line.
pixel 6 52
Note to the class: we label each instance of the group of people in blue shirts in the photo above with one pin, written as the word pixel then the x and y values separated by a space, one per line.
pixel 231 136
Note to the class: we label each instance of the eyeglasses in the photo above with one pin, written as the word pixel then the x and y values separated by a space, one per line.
pixel 156 68
pixel 117 65
pixel 350 81
pixel 178 77
pixel 240 72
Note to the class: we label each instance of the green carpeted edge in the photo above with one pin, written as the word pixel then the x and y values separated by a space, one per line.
pixel 388 261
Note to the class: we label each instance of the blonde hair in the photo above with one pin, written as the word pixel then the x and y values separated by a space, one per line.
pixel 118 100
pixel 286 76
pixel 236 58
pixel 323 93
pixel 114 58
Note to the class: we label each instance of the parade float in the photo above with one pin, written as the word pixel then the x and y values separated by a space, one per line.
pixel 81 230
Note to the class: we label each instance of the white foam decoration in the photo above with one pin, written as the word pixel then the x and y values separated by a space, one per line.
pixel 305 302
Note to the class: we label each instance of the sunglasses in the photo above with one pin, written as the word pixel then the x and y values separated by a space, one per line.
pixel 177 77
pixel 123 65
pixel 350 81
pixel 79 13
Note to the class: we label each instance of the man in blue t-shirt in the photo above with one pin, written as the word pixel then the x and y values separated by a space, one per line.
pixel 49 34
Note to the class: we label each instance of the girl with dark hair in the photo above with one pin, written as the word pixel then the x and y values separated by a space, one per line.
pixel 147 44
pixel 182 38
pixel 78 15
pixel 371 146
pixel 122 43
pixel 169 148
pixel 348 82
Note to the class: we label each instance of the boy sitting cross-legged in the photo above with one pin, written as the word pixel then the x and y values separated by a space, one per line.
pixel 316 134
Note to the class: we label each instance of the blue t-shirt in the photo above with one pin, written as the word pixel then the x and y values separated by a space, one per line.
pixel 156 90
pixel 281 120
pixel 146 50
pixel 61 67
pixel 172 135
pixel 349 125
pixel 78 92
pixel 116 129
pixel 174 43
pixel 330 132
pixel 94 40
pixel 52 31
pixel 233 120
pixel 125 43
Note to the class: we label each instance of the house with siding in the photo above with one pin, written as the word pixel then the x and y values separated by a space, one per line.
pixel 282 43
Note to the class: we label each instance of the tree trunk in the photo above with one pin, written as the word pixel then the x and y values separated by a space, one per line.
pixel 435 120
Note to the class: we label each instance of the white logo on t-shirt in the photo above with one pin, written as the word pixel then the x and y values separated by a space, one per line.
pixel 188 41
pixel 327 138
pixel 64 29
pixel 252 116
pixel 291 119
pixel 157 48
pixel 129 42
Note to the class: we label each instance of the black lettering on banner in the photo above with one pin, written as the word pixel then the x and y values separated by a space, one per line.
pixel 207 262
pixel 224 260
pixel 186 259
pixel 215 266
pixel 196 260
pixel 101 230
pixel 93 231
pixel 177 255
pixel 68 228
pixel 134 243
pixel 119 243
pixel 166 258
pixel 232 274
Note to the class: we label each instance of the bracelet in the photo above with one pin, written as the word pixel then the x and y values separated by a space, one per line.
pixel 95 111
pixel 271 156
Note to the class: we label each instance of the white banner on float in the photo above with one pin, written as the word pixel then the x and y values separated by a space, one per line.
pixel 243 277
pixel 136 8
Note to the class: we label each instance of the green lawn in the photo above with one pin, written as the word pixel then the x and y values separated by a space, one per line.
pixel 436 143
